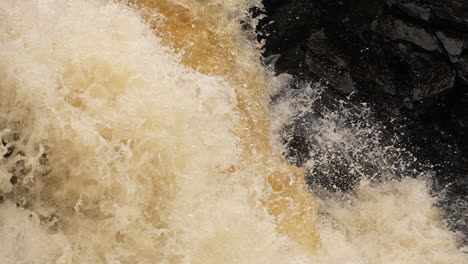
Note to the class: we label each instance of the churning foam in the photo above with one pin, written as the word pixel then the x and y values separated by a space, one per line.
pixel 126 140
pixel 119 153
pixel 395 222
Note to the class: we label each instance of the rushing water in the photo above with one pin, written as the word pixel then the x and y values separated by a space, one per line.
pixel 139 132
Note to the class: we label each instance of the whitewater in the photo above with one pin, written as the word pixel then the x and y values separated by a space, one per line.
pixel 143 132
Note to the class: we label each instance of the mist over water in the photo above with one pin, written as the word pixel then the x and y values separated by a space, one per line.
pixel 140 132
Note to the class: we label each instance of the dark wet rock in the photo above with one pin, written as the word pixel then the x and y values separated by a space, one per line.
pixel 450 13
pixel 402 56
pixel 413 10
pixel 462 67
pixel 453 46
pixel 460 119
pixel 431 76
pixel 287 25
pixel 407 58
pixel 416 35
pixel 324 63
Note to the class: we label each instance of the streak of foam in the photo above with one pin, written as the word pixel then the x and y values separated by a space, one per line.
pixel 210 37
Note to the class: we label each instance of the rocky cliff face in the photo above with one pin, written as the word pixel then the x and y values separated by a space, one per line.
pixel 407 58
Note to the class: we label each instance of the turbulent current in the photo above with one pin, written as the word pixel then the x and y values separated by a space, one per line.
pixel 143 132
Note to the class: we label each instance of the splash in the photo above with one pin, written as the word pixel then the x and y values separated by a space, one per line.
pixel 139 132
pixel 388 214
pixel 216 44
pixel 394 222
pixel 124 145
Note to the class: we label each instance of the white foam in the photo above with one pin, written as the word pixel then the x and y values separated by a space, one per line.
pixel 137 143
pixel 392 220
pixel 126 153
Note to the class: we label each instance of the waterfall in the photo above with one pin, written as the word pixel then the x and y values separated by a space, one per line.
pixel 143 132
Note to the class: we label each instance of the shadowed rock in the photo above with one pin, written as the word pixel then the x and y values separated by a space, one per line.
pixel 407 58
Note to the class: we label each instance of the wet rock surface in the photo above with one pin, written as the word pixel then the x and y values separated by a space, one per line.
pixel 407 58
